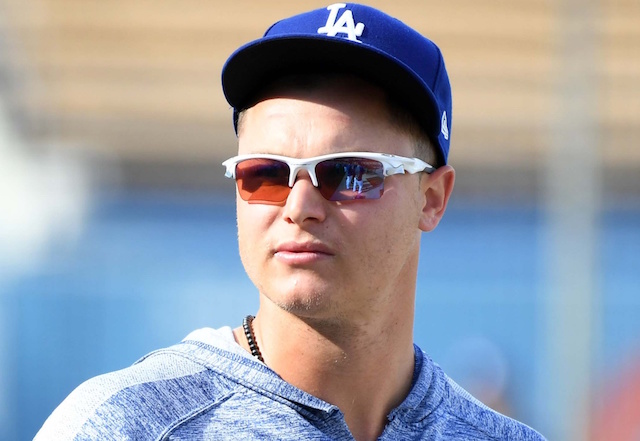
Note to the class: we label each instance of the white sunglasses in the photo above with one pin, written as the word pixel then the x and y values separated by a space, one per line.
pixel 264 178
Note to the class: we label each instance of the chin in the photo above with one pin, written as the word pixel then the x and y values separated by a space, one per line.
pixel 302 304
pixel 304 300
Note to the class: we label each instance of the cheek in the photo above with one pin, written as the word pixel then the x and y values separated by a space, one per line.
pixel 253 217
pixel 380 233
pixel 253 222
pixel 396 231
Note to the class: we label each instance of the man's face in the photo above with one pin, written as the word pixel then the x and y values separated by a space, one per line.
pixel 322 259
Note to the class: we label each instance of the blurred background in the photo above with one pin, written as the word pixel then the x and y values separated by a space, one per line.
pixel 117 229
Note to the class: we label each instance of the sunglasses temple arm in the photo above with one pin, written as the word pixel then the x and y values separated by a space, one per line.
pixel 230 169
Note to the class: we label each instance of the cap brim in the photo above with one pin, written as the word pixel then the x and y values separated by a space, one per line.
pixel 257 64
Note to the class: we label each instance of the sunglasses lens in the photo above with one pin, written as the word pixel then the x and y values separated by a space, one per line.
pixel 262 180
pixel 346 179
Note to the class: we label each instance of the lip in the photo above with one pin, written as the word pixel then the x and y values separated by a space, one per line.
pixel 302 252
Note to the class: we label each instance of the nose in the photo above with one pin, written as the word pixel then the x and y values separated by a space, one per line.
pixel 304 203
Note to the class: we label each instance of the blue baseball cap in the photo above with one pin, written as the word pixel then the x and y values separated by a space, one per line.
pixel 355 39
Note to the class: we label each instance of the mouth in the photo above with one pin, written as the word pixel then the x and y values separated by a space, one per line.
pixel 302 253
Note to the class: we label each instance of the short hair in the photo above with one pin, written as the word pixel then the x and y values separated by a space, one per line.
pixel 404 120
pixel 399 115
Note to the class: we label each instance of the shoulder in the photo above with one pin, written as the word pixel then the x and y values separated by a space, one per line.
pixel 467 417
pixel 125 401
pixel 450 411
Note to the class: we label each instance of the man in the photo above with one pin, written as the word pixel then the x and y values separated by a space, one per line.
pixel 329 354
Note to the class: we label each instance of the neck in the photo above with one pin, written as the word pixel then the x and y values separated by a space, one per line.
pixel 339 361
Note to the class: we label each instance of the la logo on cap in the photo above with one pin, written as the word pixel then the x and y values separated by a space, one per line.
pixel 342 25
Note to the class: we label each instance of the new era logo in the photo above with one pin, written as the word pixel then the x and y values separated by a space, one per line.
pixel 444 126
pixel 343 25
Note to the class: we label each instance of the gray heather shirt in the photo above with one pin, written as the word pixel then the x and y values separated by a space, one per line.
pixel 208 388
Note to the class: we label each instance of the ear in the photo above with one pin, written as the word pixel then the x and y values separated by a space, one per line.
pixel 436 188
